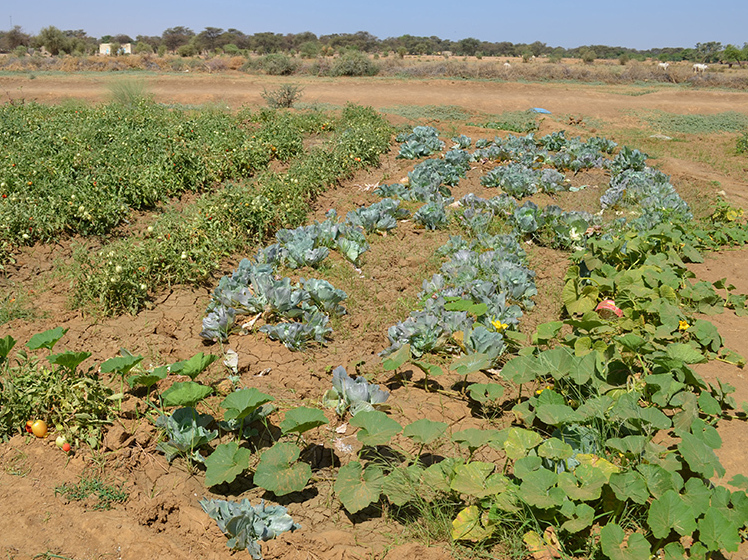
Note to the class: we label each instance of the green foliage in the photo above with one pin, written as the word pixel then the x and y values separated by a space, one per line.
pixel 186 393
pixel 282 98
pixel 246 524
pixel 186 431
pixel 729 121
pixel 226 463
pixel 280 470
pixel 106 495
pixel 513 121
pixel 72 401
pixel 354 63
pixel 278 64
pixel 741 144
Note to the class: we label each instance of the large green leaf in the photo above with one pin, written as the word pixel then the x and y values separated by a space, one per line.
pixel 403 485
pixel 279 472
pixel 699 456
pixel 424 431
pixel 519 370
pixel 718 532
pixel 697 495
pixel 376 428
pixel 243 402
pixel 397 358
pixel 519 441
pixel 473 438
pixel 557 362
pixel 6 345
pixel 669 512
pixel 616 546
pixel 468 526
pixel 685 353
pixel 226 463
pixel 356 488
pixel 69 360
pixel 46 339
pixel 584 484
pixel 581 518
pixel 121 364
pixel 539 489
pixel 185 394
pixel 302 419
pixel 629 485
pixel 148 378
pixel 194 366
pixel 471 363
pixel 486 392
pixel 556 449
pixel 475 480
pixel 557 414
pixel 658 479
pixel 578 298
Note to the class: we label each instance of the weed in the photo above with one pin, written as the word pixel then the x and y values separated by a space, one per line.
pixel 741 144
pixel 729 121
pixel 18 464
pixel 129 93
pixel 15 305
pixel 513 121
pixel 106 494
pixel 428 113
pixel 282 98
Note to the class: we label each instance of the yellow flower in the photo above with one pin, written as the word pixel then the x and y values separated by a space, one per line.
pixel 498 325
pixel 682 326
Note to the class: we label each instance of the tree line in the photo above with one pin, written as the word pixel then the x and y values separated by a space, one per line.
pixel 184 41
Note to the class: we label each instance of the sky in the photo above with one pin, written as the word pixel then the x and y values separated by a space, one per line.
pixel 635 24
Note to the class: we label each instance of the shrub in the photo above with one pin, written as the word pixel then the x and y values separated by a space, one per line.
pixel 354 64
pixel 741 145
pixel 278 64
pixel 283 97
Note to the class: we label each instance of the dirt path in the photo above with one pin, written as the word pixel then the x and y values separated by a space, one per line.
pixel 608 102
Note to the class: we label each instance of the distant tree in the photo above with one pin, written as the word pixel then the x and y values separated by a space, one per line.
pixel 731 55
pixel 122 39
pixel 52 39
pixel 14 38
pixel 267 42
pixel 588 56
pixel 708 52
pixel 467 47
pixel 208 38
pixel 175 37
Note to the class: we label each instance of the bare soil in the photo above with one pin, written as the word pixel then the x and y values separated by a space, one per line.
pixel 162 519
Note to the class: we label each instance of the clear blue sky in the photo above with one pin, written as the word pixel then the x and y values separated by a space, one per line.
pixel 630 23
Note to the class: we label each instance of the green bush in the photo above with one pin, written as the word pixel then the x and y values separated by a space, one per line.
pixel 278 64
pixel 354 64
pixel 741 146
pixel 283 97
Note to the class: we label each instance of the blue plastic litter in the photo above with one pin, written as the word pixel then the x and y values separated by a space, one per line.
pixel 539 110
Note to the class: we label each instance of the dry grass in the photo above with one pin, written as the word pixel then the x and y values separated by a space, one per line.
pixel 601 71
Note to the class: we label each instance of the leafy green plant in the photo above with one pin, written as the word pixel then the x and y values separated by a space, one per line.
pixel 284 97
pixel 106 494
pixel 187 431
pixel 246 525
pixel 352 395
pixel 72 401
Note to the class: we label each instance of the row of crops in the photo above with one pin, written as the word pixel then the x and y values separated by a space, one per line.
pixel 611 451
pixel 587 471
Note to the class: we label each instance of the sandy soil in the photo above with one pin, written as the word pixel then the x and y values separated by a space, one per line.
pixel 161 518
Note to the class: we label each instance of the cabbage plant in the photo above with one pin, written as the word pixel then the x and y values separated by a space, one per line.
pixel 356 395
